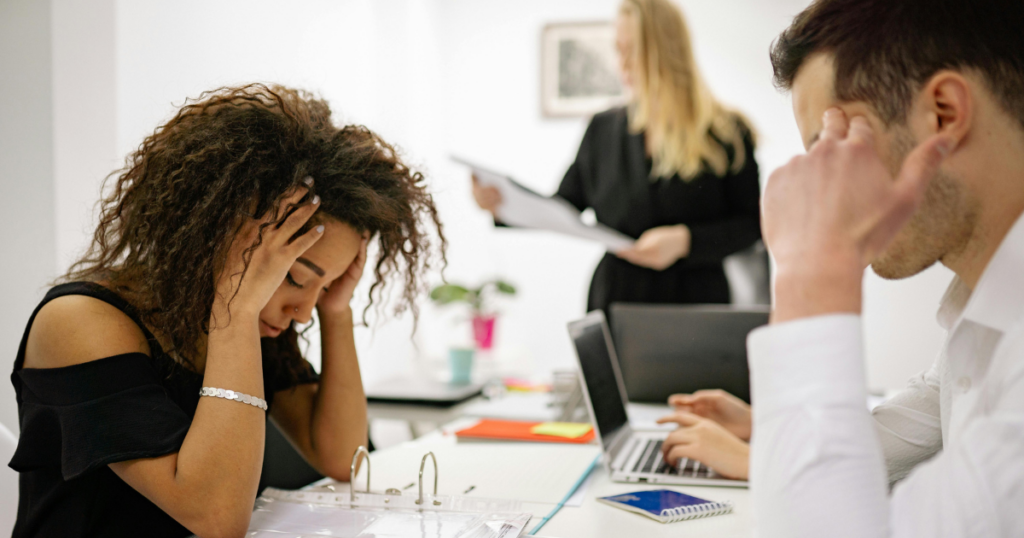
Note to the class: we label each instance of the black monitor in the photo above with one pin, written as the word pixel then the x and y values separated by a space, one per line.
pixel 669 349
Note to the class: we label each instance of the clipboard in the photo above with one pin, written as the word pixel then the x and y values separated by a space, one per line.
pixel 323 511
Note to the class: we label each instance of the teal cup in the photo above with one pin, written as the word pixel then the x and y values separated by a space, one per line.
pixel 461 362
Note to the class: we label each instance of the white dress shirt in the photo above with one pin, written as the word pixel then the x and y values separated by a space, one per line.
pixel 955 436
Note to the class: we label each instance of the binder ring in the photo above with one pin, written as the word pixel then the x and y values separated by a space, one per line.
pixel 423 463
pixel 361 451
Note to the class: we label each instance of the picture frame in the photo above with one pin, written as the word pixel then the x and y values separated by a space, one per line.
pixel 579 69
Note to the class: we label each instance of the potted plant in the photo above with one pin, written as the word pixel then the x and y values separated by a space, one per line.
pixel 477 299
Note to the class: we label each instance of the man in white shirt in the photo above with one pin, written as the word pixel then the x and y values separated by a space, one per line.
pixel 913 116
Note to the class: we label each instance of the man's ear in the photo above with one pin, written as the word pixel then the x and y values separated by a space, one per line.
pixel 946 103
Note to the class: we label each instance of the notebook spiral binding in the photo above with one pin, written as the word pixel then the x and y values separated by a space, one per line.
pixel 683 513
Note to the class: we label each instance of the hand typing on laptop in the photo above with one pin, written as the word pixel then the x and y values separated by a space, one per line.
pixel 636 455
pixel 719 406
pixel 714 428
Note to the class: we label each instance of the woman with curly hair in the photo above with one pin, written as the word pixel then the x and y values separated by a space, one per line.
pixel 144 378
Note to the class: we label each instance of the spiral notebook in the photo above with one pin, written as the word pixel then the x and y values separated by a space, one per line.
pixel 666 505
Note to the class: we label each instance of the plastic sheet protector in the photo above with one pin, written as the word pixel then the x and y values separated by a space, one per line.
pixel 526 472
pixel 292 514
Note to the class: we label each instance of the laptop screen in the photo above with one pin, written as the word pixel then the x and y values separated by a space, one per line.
pixel 591 339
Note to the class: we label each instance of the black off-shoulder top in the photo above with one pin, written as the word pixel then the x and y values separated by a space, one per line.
pixel 78 419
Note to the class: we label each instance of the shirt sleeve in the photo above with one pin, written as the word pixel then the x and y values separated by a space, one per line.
pixel 909 425
pixel 816 462
pixel 973 487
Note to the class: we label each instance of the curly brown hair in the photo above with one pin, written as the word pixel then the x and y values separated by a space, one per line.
pixel 228 157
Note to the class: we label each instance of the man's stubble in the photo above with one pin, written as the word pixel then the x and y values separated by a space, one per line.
pixel 942 224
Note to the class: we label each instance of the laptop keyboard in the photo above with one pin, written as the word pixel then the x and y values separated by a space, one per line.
pixel 651 461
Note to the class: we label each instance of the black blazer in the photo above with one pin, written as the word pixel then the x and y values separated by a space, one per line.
pixel 612 175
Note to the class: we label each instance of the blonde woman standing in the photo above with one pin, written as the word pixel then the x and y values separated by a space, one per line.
pixel 674 169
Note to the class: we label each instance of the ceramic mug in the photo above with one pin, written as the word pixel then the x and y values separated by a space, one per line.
pixel 461 362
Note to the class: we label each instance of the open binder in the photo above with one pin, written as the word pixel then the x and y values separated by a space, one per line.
pixel 323 511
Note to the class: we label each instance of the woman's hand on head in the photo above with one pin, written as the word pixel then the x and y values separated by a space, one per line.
pixel 271 260
pixel 659 248
pixel 488 198
pixel 336 300
pixel 708 442
pixel 717 405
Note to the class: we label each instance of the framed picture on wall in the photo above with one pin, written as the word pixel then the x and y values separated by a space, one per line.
pixel 579 69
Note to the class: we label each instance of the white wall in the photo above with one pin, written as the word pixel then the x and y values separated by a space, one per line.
pixel 901 334
pixel 363 56
pixel 441 77
pixel 434 76
pixel 26 178
pixel 490 52
pixel 84 114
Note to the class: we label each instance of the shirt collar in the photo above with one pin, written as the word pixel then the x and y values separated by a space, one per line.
pixel 998 300
pixel 953 303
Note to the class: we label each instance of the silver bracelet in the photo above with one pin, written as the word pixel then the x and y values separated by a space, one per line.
pixel 232 395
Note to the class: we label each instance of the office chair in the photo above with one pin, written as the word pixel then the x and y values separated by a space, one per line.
pixel 749 275
pixel 8 482
pixel 283 466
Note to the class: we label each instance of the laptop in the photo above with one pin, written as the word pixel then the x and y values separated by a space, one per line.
pixel 631 455
pixel 708 342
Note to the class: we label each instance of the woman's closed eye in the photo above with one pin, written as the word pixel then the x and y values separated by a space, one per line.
pixel 291 281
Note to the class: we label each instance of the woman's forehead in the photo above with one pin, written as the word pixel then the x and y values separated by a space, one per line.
pixel 334 252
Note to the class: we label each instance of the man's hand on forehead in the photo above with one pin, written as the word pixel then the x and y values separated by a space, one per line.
pixel 829 213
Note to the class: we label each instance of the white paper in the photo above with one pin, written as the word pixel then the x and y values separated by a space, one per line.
pixel 520 207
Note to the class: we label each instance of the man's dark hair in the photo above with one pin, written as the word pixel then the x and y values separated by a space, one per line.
pixel 885 50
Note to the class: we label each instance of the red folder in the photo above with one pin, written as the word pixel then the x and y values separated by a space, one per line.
pixel 511 430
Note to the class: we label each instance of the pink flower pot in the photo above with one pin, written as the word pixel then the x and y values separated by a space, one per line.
pixel 483 331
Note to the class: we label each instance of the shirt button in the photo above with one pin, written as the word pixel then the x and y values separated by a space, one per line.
pixel 964 383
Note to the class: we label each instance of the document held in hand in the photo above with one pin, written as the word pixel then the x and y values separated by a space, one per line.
pixel 526 209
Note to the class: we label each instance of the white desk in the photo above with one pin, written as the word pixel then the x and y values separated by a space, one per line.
pixel 594 519
pixel 591 519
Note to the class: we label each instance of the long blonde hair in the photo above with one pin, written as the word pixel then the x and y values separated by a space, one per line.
pixel 672 103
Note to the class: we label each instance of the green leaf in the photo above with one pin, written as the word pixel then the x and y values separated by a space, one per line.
pixel 450 293
pixel 505 287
